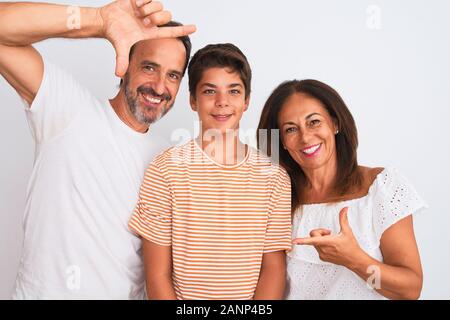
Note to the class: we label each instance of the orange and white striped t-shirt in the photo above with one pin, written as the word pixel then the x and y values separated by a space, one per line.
pixel 219 220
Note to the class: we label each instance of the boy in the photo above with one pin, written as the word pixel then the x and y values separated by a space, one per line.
pixel 214 214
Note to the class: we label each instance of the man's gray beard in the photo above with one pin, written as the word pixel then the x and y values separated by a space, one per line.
pixel 138 111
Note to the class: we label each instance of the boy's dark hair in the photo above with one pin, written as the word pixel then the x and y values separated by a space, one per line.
pixel 224 55
pixel 184 39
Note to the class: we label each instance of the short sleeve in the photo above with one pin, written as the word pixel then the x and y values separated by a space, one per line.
pixel 395 199
pixel 278 235
pixel 58 101
pixel 152 217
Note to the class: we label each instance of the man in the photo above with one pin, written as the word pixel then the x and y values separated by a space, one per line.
pixel 91 154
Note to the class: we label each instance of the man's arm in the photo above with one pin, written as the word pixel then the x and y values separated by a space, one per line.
pixel 158 270
pixel 122 22
pixel 272 279
pixel 23 24
pixel 23 69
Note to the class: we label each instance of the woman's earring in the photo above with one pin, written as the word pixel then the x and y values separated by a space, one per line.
pixel 337 132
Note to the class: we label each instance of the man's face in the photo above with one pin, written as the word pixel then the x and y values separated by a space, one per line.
pixel 153 78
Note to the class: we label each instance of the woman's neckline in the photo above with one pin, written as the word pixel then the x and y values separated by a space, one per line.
pixel 369 192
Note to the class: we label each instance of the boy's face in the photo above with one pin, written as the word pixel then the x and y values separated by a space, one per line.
pixel 220 100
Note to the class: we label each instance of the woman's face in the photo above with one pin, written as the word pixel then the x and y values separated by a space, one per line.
pixel 308 132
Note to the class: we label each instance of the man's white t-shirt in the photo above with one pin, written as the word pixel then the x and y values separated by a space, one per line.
pixel 88 169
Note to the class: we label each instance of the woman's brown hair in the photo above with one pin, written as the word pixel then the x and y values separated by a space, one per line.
pixel 348 176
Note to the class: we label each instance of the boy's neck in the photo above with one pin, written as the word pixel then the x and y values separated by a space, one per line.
pixel 225 148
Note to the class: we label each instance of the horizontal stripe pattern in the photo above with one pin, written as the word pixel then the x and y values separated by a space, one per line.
pixel 218 220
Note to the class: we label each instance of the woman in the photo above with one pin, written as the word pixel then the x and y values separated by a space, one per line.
pixel 352 225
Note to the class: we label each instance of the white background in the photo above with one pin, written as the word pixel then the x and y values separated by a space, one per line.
pixel 395 80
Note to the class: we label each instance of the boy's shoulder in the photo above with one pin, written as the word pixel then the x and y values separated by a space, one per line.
pixel 174 154
pixel 270 165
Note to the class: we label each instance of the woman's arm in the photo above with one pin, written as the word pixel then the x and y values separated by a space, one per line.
pixel 400 274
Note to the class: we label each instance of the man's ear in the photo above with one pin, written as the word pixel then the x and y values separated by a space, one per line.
pixel 193 102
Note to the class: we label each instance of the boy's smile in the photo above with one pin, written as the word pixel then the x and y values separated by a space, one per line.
pixel 220 100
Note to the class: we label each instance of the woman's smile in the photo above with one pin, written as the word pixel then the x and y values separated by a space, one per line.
pixel 311 151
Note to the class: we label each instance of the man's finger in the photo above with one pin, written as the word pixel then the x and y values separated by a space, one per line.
pixel 140 3
pixel 160 18
pixel 151 8
pixel 343 220
pixel 319 233
pixel 173 32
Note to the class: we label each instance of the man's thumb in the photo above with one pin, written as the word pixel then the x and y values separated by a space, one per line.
pixel 122 61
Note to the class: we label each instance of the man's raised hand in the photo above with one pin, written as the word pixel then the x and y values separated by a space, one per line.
pixel 126 22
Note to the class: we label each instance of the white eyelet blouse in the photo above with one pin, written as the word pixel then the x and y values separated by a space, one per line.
pixel 390 199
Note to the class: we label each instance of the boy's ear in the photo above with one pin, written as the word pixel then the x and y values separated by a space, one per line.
pixel 247 104
pixel 193 102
